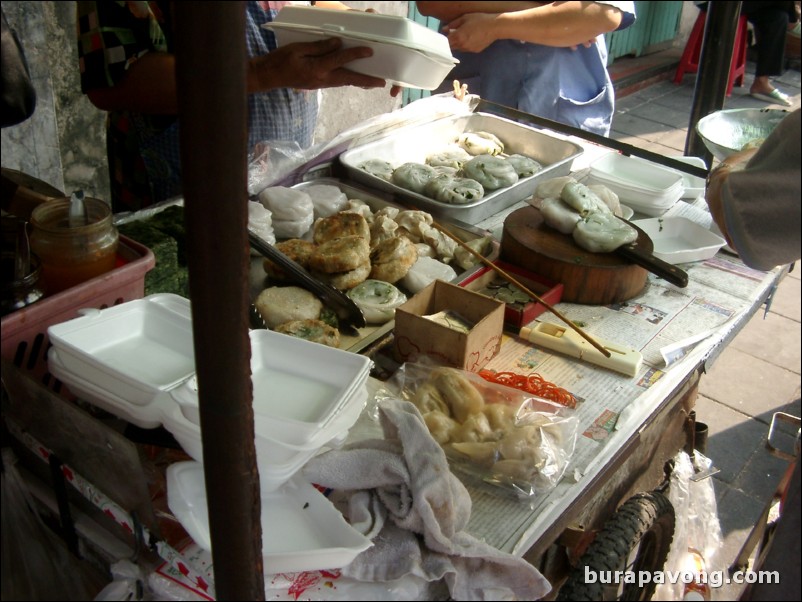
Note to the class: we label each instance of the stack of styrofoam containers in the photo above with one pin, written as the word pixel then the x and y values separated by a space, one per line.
pixel 645 187
pixel 136 360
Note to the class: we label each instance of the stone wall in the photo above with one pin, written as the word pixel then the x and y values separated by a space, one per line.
pixel 63 143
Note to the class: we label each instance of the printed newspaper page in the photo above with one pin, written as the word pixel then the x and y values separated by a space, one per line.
pixel 673 328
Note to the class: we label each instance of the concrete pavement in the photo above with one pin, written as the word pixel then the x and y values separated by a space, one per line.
pixel 759 372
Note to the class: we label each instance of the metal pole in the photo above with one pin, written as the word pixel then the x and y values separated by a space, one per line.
pixel 211 61
pixel 715 58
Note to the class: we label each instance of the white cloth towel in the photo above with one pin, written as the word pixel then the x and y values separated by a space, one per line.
pixel 405 478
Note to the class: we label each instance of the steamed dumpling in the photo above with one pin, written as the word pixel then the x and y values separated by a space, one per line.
pixel 524 166
pixel 425 271
pixel 454 157
pixel 379 168
pixel 413 176
pixel 491 172
pixel 454 190
pixel 481 143
pixel 553 187
pixel 326 199
pixel 603 232
pixel 287 204
pixel 559 216
pixel 583 199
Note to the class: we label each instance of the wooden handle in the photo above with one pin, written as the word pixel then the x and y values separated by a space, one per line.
pixel 514 281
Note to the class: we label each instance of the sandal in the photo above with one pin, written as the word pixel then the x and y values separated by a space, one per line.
pixel 773 97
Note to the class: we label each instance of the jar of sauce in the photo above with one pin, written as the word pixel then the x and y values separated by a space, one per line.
pixel 73 250
pixel 19 290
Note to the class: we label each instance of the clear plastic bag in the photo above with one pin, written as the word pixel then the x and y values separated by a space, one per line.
pixel 284 163
pixel 697 533
pixel 497 434
pixel 36 563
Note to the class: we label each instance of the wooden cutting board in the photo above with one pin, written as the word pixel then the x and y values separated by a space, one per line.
pixel 588 278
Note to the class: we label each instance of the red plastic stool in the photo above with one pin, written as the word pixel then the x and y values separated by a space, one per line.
pixel 689 63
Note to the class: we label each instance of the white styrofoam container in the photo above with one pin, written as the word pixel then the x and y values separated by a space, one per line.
pixel 692 186
pixel 680 240
pixel 306 395
pixel 137 349
pixel 404 52
pixel 301 528
pixel 147 416
pixel 644 186
pixel 278 461
pixel 299 385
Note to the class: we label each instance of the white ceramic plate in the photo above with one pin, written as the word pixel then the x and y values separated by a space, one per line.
pixel 679 240
pixel 301 528
pixel 627 212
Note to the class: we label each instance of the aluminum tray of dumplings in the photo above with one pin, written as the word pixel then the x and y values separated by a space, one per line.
pixel 414 144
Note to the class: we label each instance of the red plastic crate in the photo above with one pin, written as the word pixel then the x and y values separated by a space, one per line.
pixel 24 332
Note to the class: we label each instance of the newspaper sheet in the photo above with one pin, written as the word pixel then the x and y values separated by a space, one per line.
pixel 674 328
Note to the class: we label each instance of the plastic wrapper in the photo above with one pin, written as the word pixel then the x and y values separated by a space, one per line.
pixel 500 435
pixel 284 162
pixel 697 532
pixel 36 563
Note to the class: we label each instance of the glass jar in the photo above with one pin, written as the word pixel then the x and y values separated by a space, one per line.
pixel 70 252
pixel 19 292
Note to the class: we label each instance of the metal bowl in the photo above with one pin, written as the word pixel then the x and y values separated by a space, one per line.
pixel 729 131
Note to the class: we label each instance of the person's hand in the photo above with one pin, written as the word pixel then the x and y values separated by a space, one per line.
pixel 310 66
pixel 472 32
pixel 586 44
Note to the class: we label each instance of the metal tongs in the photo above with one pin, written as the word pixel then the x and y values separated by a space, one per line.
pixel 348 313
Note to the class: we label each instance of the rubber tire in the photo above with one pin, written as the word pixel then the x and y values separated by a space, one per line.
pixel 643 524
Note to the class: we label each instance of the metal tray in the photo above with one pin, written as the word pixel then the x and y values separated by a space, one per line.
pixel 416 143
pixel 371 334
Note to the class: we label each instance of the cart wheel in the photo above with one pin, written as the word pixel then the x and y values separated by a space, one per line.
pixel 636 538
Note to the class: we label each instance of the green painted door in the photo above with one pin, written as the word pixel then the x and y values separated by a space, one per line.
pixel 655 23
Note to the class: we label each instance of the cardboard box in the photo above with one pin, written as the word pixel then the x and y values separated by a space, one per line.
pixel 417 335
pixel 516 314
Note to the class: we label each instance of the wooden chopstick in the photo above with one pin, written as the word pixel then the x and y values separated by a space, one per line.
pixel 514 281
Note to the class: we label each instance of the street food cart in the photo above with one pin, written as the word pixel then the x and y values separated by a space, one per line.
pixel 629 426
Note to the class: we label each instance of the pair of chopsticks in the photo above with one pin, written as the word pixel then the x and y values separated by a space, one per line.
pixel 512 280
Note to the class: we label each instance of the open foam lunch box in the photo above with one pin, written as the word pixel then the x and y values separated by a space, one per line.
pixel 136 361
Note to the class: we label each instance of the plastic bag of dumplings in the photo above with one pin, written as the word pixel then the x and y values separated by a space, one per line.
pixel 491 432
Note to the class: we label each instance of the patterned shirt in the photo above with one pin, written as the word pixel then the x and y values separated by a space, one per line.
pixel 143 150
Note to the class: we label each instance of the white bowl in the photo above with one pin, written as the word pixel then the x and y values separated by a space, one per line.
pixel 728 131
pixel 404 52
pixel 679 240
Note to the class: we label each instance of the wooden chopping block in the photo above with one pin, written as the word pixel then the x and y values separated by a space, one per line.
pixel 588 278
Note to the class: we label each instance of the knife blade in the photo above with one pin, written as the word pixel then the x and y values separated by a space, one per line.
pixel 348 313
pixel 637 255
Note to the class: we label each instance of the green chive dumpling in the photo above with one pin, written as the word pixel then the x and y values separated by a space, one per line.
pixel 491 172
pixel 413 176
pixel 524 166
